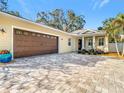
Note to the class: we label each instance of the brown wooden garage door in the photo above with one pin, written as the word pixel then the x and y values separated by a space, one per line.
pixel 28 43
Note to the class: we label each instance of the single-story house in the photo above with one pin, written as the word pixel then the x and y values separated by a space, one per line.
pixel 26 38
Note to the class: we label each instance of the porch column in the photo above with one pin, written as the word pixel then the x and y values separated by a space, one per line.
pixel 94 42
pixel 106 44
pixel 83 47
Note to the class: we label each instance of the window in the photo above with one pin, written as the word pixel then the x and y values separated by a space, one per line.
pixel 38 35
pixel 54 37
pixel 44 35
pixel 101 41
pixel 33 34
pixel 18 32
pixel 90 41
pixel 51 37
pixel 25 33
pixel 69 42
pixel 48 36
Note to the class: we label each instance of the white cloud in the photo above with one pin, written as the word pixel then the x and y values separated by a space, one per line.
pixel 104 2
pixel 95 5
pixel 99 3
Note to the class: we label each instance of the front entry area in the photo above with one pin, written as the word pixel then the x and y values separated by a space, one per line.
pixel 30 43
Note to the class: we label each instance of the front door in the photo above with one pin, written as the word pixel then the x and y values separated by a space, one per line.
pixel 79 44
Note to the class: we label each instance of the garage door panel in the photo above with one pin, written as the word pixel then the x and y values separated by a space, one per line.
pixel 30 44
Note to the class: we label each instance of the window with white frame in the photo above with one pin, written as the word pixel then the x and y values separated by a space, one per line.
pixel 69 42
pixel 101 41
pixel 90 42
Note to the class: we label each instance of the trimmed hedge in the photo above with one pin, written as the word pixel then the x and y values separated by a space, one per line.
pixel 91 51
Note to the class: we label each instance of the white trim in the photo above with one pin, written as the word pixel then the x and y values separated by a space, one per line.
pixel 32 30
pixel 12 43
pixel 83 42
pixel 41 25
pixel 94 42
pixel 59 40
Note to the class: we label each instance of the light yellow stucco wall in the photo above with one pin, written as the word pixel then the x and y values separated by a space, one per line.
pixel 6 39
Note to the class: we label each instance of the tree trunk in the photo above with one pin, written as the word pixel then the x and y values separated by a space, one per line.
pixel 116 44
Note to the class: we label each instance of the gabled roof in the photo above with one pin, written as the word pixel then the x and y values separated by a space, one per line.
pixel 88 32
pixel 78 31
pixel 83 31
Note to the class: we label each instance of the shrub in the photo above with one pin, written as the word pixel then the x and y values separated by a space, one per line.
pixel 100 52
pixel 91 51
pixel 79 51
pixel 84 51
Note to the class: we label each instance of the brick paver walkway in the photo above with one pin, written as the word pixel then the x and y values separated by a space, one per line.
pixel 64 73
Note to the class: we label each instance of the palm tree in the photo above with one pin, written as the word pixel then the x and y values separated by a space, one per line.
pixel 119 21
pixel 111 31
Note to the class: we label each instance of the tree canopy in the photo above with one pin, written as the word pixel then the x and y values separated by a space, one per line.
pixel 66 21
pixel 3 5
pixel 107 26
pixel 4 8
pixel 15 13
pixel 100 28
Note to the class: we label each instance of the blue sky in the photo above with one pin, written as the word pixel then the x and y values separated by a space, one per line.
pixel 95 11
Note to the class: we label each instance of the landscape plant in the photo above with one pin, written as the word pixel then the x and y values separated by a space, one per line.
pixel 4 8
pixel 114 28
pixel 119 21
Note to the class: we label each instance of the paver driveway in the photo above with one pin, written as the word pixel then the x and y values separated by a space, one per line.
pixel 63 73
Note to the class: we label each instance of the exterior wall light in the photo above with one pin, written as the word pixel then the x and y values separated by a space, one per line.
pixel 2 30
